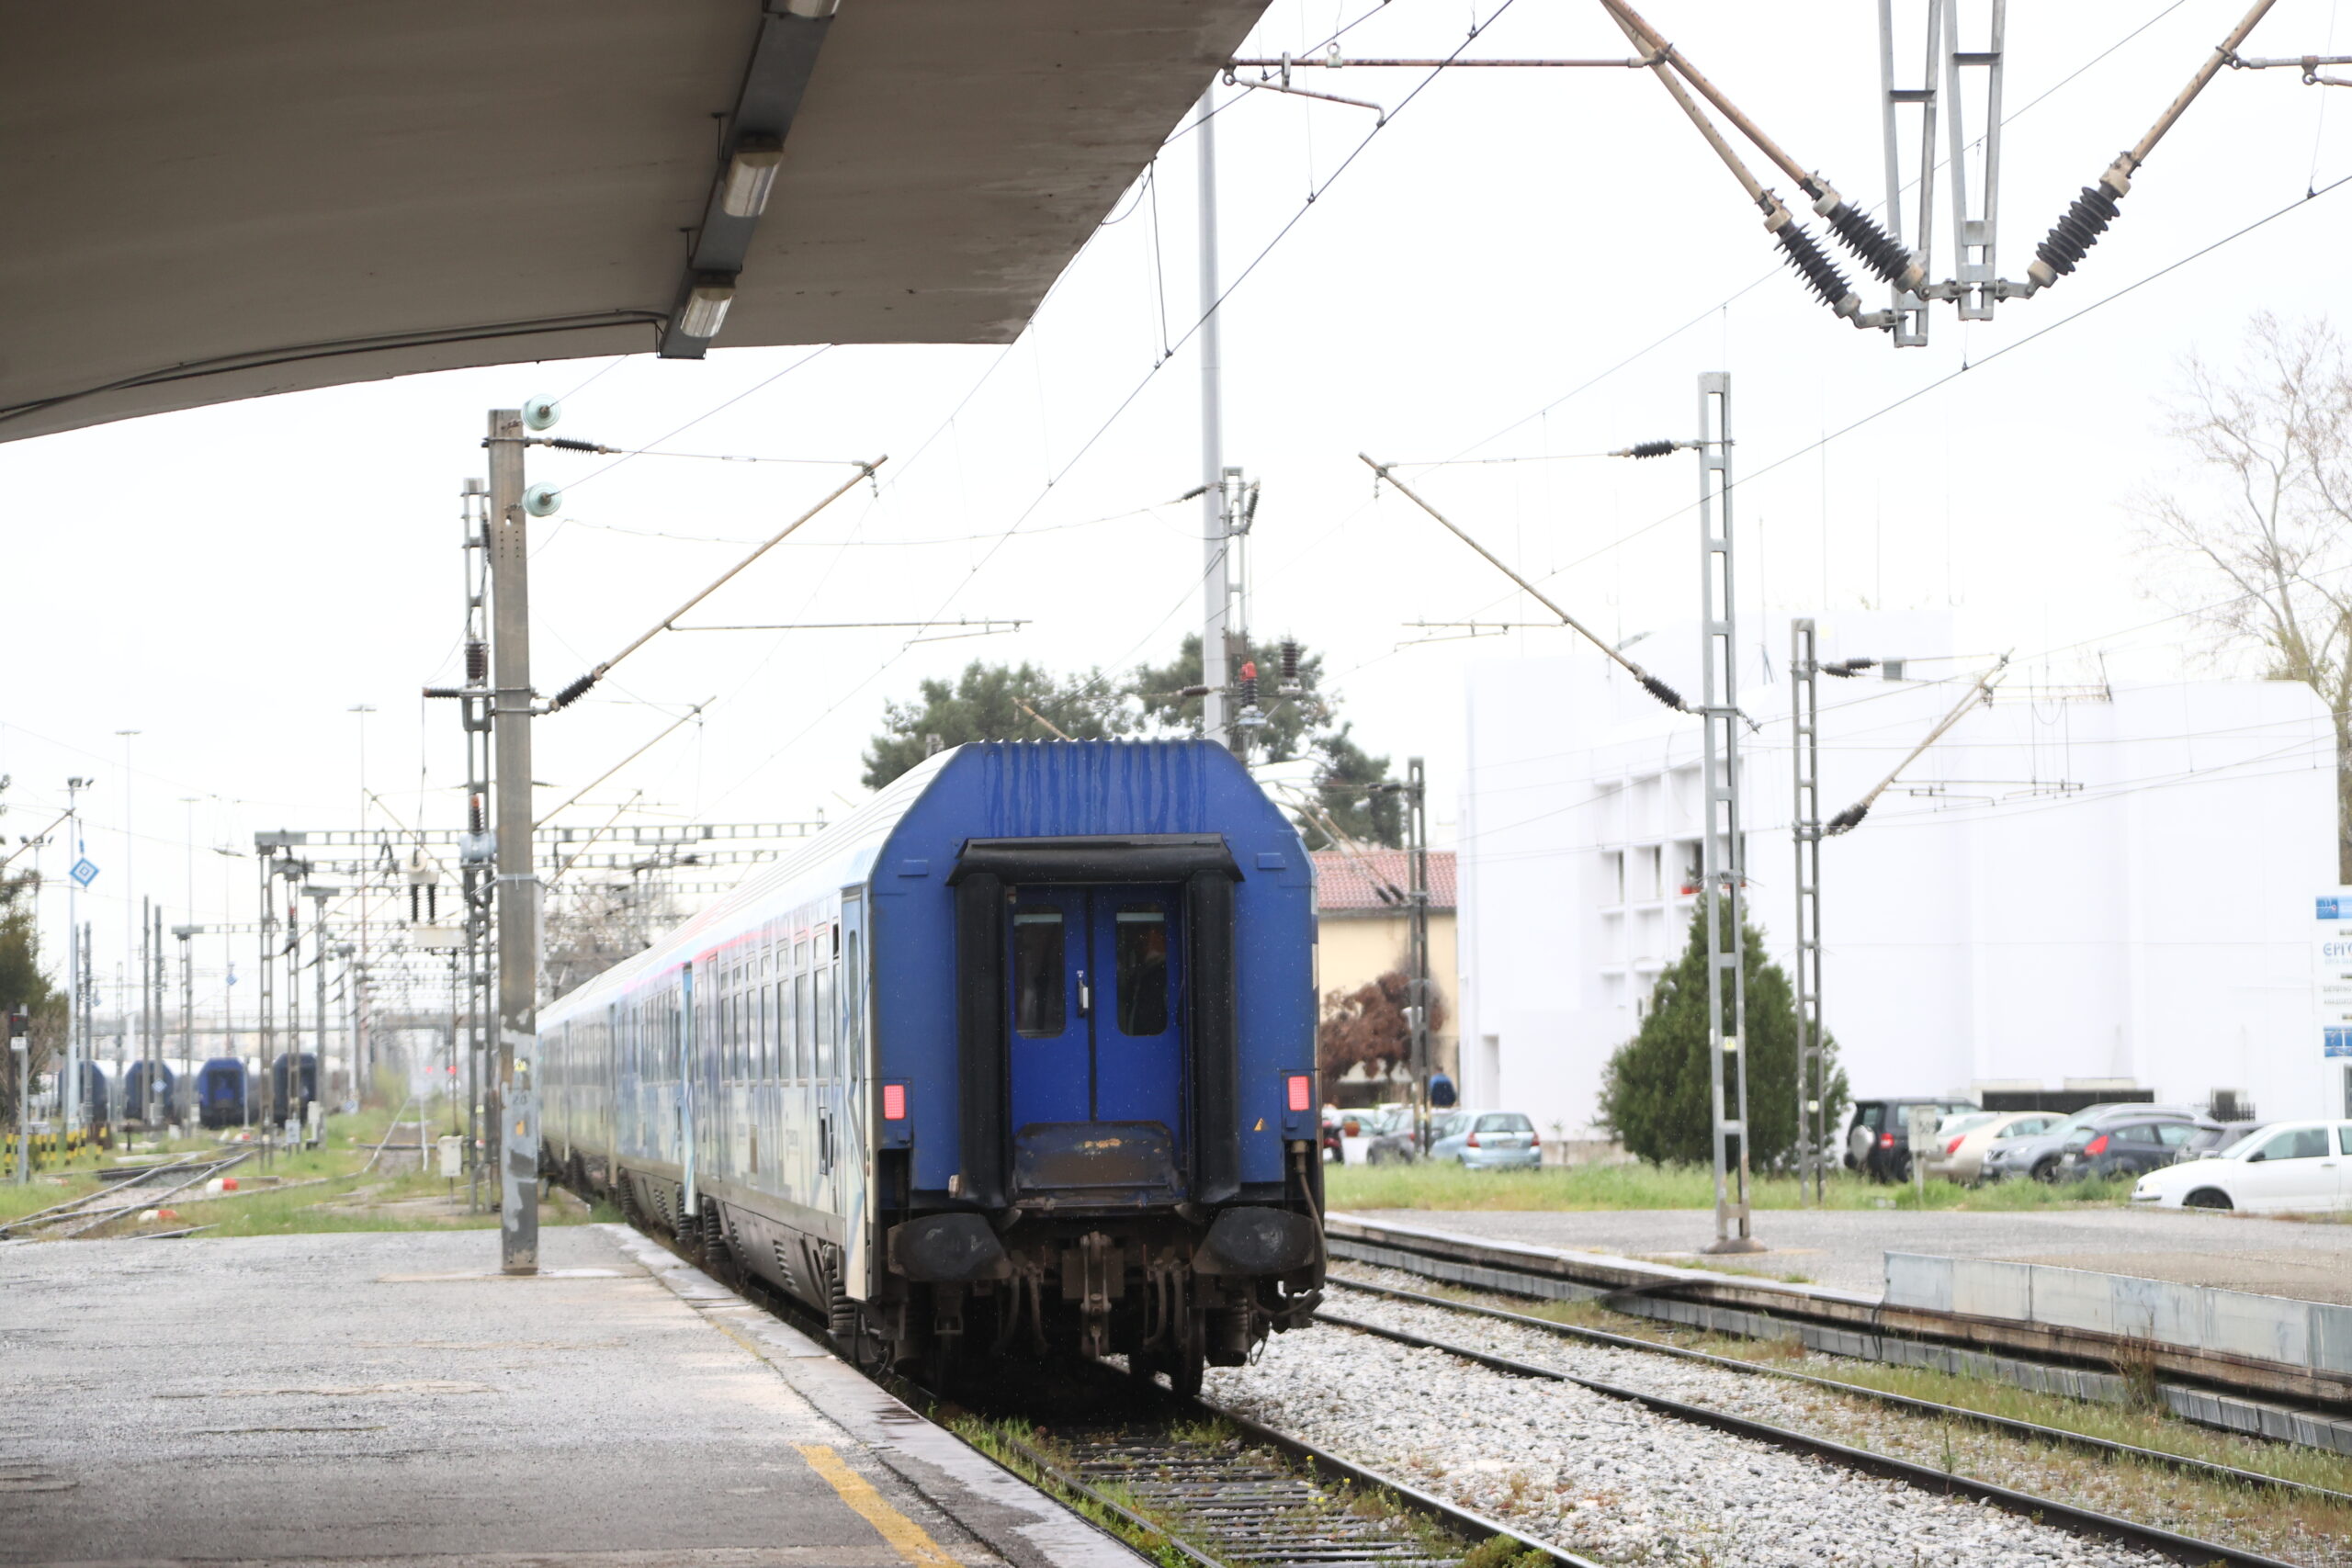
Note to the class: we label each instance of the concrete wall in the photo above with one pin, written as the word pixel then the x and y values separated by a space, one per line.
pixel 1353 949
pixel 2086 884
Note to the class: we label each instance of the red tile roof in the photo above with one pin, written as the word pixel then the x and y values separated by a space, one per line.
pixel 1346 882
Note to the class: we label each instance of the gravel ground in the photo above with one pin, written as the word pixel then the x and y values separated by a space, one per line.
pixel 1605 1478
pixel 1509 1456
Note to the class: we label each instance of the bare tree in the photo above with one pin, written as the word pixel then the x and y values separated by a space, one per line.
pixel 2266 516
pixel 592 926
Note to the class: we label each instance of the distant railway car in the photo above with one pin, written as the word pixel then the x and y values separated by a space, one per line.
pixel 135 1088
pixel 97 1106
pixel 1020 1058
pixel 284 1087
pixel 221 1092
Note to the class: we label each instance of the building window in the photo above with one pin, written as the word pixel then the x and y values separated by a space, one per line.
pixel 1648 864
pixel 1613 878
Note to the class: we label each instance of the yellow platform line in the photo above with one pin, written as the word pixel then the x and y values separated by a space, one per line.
pixel 906 1538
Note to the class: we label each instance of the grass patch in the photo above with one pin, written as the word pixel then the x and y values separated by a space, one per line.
pixel 1639 1187
pixel 306 1191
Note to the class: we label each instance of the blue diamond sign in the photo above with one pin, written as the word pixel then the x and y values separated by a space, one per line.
pixel 84 872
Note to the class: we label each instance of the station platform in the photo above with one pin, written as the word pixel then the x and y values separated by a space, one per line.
pixel 1846 1248
pixel 377 1396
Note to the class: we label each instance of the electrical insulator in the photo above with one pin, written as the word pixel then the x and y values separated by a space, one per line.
pixel 1649 448
pixel 476 662
pixel 1290 668
pixel 1248 685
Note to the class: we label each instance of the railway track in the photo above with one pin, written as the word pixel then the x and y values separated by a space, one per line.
pixel 1222 1491
pixel 79 1216
pixel 2055 1436
pixel 2044 1510
pixel 1219 1490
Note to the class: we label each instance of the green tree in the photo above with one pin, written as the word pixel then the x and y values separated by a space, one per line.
pixel 999 702
pixel 995 702
pixel 1355 789
pixel 22 984
pixel 1654 1093
pixel 1290 720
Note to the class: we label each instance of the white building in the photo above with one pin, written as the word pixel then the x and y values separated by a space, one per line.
pixel 2075 887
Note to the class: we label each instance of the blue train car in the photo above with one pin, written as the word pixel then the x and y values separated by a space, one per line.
pixel 1019 1058
pixel 284 1086
pixel 135 1087
pixel 221 1092
pixel 97 1106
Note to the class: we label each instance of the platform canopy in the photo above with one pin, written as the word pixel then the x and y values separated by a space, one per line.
pixel 218 201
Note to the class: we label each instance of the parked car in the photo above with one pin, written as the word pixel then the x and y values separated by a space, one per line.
pixel 1488 1140
pixel 2217 1139
pixel 2127 1144
pixel 2284 1168
pixel 1966 1138
pixel 1878 1141
pixel 1393 1138
pixel 2037 1155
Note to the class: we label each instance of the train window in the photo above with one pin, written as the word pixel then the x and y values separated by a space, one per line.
pixel 852 1008
pixel 800 1027
pixel 1140 951
pixel 1037 972
pixel 820 1008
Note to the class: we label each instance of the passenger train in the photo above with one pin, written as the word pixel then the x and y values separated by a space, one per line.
pixel 1016 1061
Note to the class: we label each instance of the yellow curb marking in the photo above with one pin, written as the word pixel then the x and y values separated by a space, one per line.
pixel 906 1537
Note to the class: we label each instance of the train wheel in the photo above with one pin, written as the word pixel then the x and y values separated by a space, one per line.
pixel 1184 1368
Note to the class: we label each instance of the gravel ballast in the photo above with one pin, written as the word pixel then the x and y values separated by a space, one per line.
pixel 1606 1478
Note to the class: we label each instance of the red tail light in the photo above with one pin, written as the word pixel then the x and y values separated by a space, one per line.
pixel 2097 1146
pixel 1953 1147
pixel 1301 1089
pixel 894 1102
pixel 1886 1139
pixel 1534 1141
pixel 1474 1141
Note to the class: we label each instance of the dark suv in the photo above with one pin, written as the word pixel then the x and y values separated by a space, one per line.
pixel 2128 1143
pixel 1878 1141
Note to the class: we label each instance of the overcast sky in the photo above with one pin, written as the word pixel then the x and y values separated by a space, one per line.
pixel 1518 264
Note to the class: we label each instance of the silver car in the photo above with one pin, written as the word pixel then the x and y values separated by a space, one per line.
pixel 1488 1139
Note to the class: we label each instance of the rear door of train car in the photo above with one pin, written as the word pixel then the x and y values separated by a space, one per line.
pixel 1097 1041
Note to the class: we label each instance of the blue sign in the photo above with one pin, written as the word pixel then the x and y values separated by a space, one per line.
pixel 2338 1042
pixel 83 871
pixel 2335 909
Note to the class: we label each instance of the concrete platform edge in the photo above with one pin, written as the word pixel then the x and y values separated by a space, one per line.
pixel 1021 1524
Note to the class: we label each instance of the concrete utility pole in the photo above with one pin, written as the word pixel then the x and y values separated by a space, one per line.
pixel 1217 513
pixel 1721 848
pixel 20 1044
pixel 319 897
pixel 266 1090
pixel 517 1114
pixel 1804 827
pixel 1417 939
pixel 69 1097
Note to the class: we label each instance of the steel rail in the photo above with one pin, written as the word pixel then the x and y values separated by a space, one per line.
pixel 2044 1510
pixel 1470 1526
pixel 92 1222
pixel 2033 1429
pixel 56 1213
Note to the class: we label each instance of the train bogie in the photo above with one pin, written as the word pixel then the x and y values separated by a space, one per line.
pixel 1018 1060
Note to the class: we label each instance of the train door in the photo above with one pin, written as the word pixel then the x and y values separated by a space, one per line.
pixel 1096 1037
pixel 853 1161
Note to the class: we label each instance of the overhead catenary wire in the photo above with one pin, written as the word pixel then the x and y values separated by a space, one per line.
pixel 1878 251
pixel 580 687
pixel 2082 225
pixel 1845 821
pixel 680 722
pixel 1648 681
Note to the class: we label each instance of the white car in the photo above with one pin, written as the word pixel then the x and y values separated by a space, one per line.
pixel 2303 1168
